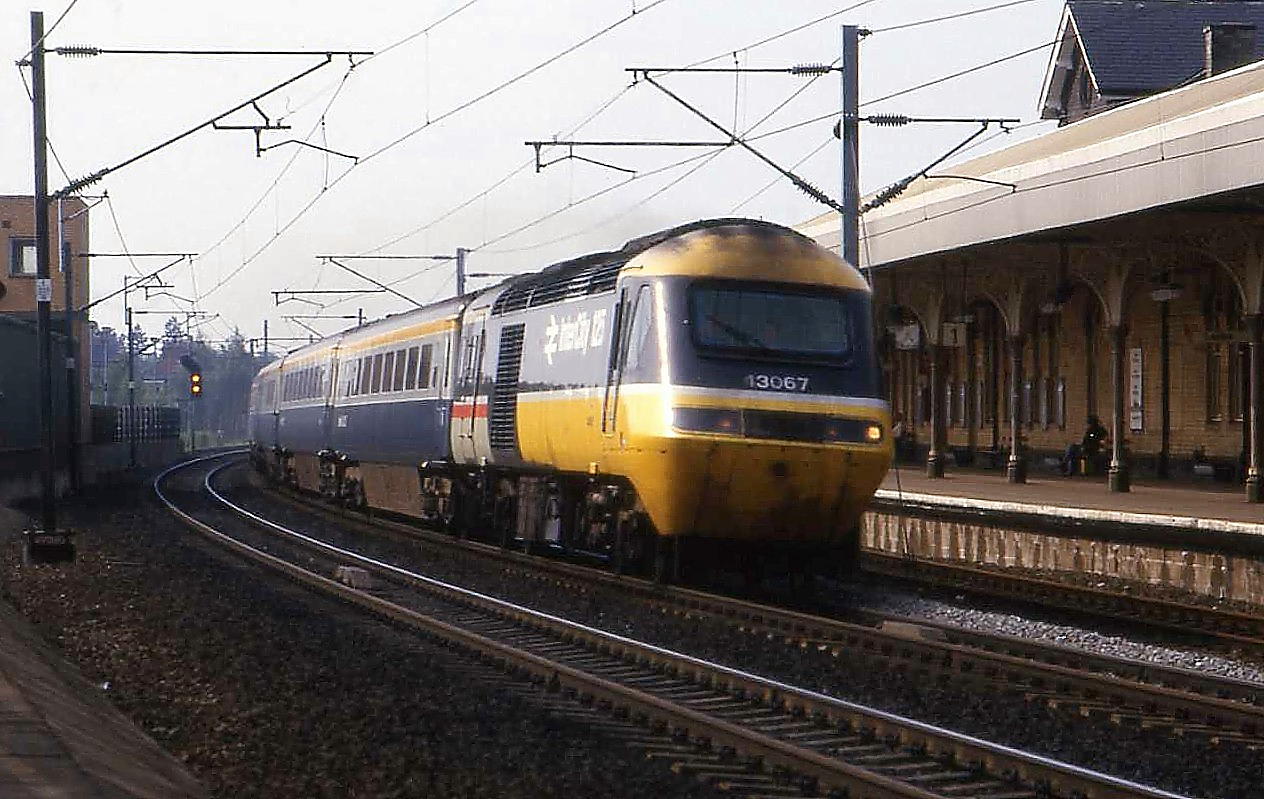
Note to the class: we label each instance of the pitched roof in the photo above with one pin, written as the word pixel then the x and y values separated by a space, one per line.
pixel 1144 46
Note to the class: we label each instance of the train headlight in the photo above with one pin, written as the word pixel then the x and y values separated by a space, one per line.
pixel 873 432
pixel 726 421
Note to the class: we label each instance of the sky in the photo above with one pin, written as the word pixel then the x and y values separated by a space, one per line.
pixel 436 122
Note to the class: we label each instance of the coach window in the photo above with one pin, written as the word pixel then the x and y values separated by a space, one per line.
pixel 423 369
pixel 388 372
pixel 376 385
pixel 640 354
pixel 410 377
pixel 401 356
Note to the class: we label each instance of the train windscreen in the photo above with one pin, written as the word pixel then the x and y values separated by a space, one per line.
pixel 771 322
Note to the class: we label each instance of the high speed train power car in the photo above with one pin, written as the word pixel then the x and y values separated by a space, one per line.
pixel 705 396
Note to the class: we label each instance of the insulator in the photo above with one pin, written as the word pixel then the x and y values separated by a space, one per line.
pixel 888 120
pixel 811 69
pixel 78 51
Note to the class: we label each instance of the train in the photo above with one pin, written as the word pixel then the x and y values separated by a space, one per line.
pixel 704 397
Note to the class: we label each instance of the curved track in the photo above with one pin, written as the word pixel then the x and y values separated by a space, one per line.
pixel 741 722
pixel 1137 692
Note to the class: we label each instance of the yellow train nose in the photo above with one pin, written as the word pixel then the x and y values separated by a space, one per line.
pixel 757 490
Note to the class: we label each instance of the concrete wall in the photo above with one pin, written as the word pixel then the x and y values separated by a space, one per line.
pixel 1210 574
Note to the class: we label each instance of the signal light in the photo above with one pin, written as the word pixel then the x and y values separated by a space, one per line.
pixel 195 384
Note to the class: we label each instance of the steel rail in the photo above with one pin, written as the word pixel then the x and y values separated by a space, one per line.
pixel 1183 700
pixel 1033 770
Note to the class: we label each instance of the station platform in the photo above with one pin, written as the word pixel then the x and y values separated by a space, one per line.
pixel 59 736
pixel 1218 509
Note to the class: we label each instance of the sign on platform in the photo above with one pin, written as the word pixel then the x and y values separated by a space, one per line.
pixel 1136 391
pixel 44 289
pixel 953 334
pixel 907 337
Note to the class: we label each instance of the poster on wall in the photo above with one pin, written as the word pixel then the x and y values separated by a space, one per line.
pixel 1136 416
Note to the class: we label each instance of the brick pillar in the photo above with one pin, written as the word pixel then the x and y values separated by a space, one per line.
pixel 938 428
pixel 1118 478
pixel 1016 468
pixel 1255 455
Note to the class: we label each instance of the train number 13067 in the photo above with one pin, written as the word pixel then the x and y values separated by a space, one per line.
pixel 777 382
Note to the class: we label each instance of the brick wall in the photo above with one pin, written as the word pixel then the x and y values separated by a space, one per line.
pixel 17 223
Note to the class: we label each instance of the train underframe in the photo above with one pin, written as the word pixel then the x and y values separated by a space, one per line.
pixel 586 516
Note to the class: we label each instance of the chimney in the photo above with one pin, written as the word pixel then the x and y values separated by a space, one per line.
pixel 1226 46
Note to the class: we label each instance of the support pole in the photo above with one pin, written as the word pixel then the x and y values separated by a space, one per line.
pixel 972 378
pixel 1118 479
pixel 43 281
pixel 460 271
pixel 66 267
pixel 265 338
pixel 1016 468
pixel 849 233
pixel 131 385
pixel 1255 455
pixel 938 433
pixel 1165 388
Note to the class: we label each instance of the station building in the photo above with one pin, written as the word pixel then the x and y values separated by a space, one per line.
pixel 1112 268
pixel 19 387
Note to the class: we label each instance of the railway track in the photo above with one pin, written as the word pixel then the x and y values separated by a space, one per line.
pixel 1182 702
pixel 1236 629
pixel 755 735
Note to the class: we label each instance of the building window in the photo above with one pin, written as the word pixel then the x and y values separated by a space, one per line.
pixel 22 257
pixel 1214 411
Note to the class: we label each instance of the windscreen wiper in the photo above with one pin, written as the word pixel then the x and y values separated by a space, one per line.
pixel 737 334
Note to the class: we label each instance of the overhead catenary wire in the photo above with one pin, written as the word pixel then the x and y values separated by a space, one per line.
pixel 950 17
pixel 818 20
pixel 418 129
pixel 704 160
pixel 708 158
pixel 520 168
pixel 118 230
pixel 510 82
pixel 907 90
pixel 592 196
pixel 526 164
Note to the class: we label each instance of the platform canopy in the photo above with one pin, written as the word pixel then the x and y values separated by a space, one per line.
pixel 1199 147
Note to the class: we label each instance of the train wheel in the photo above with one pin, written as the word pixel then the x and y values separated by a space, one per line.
pixel 503 521
pixel 621 543
pixel 667 560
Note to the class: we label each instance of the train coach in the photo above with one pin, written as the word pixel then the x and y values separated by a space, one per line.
pixel 704 397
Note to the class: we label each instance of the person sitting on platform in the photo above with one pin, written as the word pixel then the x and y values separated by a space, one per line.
pixel 1089 449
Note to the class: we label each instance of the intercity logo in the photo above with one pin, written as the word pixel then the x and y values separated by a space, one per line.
pixel 572 334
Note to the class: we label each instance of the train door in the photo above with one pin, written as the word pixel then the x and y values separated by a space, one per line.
pixel 272 410
pixel 469 395
pixel 610 401
pixel 329 384
pixel 635 324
